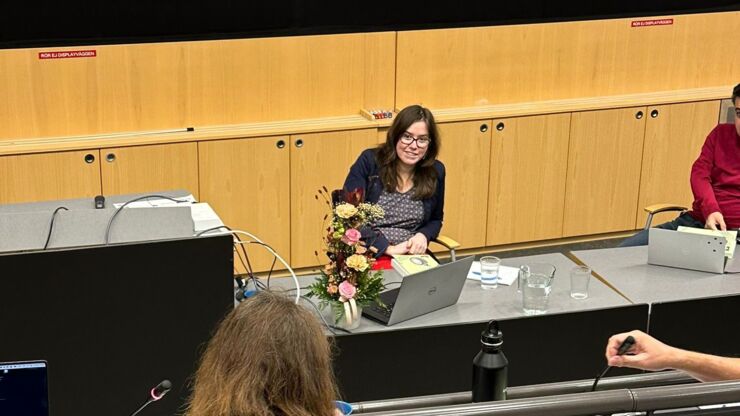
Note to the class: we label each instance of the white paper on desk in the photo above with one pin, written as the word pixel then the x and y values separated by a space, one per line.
pixel 506 275
pixel 159 202
pixel 204 217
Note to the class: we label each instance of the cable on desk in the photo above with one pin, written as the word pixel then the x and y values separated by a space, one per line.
pixel 51 225
pixel 118 211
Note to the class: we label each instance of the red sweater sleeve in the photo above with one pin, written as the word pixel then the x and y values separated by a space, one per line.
pixel 701 182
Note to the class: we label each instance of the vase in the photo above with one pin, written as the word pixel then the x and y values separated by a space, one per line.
pixel 335 315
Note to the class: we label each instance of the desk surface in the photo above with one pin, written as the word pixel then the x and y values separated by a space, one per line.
pixel 627 270
pixel 504 302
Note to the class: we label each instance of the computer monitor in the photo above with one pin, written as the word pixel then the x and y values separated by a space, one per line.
pixel 24 389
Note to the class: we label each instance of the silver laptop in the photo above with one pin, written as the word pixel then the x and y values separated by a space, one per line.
pixel 421 293
pixel 688 251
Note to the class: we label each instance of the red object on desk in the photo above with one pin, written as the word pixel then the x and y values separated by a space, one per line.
pixel 383 263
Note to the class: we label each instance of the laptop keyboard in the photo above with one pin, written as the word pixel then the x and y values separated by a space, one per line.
pixel 384 310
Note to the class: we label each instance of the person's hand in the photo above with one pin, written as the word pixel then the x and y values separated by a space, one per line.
pixel 417 244
pixel 400 248
pixel 715 220
pixel 646 354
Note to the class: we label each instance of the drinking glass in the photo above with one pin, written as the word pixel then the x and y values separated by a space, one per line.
pixel 489 266
pixel 580 276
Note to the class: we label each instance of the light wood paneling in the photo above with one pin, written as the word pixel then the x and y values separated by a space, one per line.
pixel 322 160
pixel 526 196
pixel 175 85
pixel 465 152
pixel 603 179
pixel 673 140
pixel 49 176
pixel 150 168
pixel 247 182
pixel 522 63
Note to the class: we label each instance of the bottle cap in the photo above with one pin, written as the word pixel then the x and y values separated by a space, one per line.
pixel 492 336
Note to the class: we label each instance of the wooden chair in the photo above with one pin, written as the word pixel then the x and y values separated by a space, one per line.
pixel 658 208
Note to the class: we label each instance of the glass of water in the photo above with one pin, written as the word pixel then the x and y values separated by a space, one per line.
pixel 489 266
pixel 536 289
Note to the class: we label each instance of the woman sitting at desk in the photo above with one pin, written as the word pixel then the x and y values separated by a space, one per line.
pixel 268 357
pixel 405 178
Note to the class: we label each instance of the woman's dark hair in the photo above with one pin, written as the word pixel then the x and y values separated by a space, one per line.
pixel 268 357
pixel 735 93
pixel 425 177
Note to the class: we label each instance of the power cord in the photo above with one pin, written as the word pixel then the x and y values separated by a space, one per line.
pixel 255 240
pixel 51 225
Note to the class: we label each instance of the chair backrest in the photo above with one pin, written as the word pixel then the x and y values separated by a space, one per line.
pixel 727 111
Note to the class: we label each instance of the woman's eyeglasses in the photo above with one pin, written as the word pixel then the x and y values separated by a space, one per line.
pixel 408 138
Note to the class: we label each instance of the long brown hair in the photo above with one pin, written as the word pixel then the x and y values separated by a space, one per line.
pixel 425 177
pixel 268 357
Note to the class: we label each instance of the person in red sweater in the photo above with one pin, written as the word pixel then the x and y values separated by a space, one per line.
pixel 715 182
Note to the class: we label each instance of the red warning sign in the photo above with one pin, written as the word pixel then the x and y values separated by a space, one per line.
pixel 652 22
pixel 91 53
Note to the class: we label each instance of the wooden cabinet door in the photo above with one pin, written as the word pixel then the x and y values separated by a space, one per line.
pixel 603 177
pixel 143 169
pixel 529 157
pixel 247 182
pixel 49 176
pixel 316 160
pixel 465 150
pixel 674 135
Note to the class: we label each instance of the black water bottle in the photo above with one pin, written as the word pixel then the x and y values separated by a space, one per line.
pixel 489 366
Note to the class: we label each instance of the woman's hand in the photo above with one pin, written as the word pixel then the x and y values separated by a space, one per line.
pixel 400 248
pixel 417 244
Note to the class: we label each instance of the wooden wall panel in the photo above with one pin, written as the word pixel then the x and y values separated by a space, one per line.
pixel 247 182
pixel 175 85
pixel 146 169
pixel 523 63
pixel 529 158
pixel 465 150
pixel 603 176
pixel 49 176
pixel 673 140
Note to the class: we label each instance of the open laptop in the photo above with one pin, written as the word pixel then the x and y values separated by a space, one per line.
pixel 690 251
pixel 24 389
pixel 421 293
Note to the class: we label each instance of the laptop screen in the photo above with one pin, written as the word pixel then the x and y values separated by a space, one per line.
pixel 24 389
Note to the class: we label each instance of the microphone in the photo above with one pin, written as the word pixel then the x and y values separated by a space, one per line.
pixel 623 348
pixel 155 394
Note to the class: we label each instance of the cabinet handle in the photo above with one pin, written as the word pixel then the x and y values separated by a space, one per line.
pixel 500 126
pixel 299 143
pixel 638 115
pixel 110 157
pixel 89 158
pixel 280 144
pixel 483 128
pixel 654 113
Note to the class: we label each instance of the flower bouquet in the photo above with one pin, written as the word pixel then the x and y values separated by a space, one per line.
pixel 347 283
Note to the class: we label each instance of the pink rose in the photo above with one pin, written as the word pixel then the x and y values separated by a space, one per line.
pixel 351 237
pixel 347 290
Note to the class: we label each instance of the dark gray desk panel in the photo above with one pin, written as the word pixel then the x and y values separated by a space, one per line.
pixel 114 321
pixel 627 270
pixel 439 359
pixel 26 226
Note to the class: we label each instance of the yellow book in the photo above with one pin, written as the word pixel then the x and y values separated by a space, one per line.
pixel 406 264
pixel 730 236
